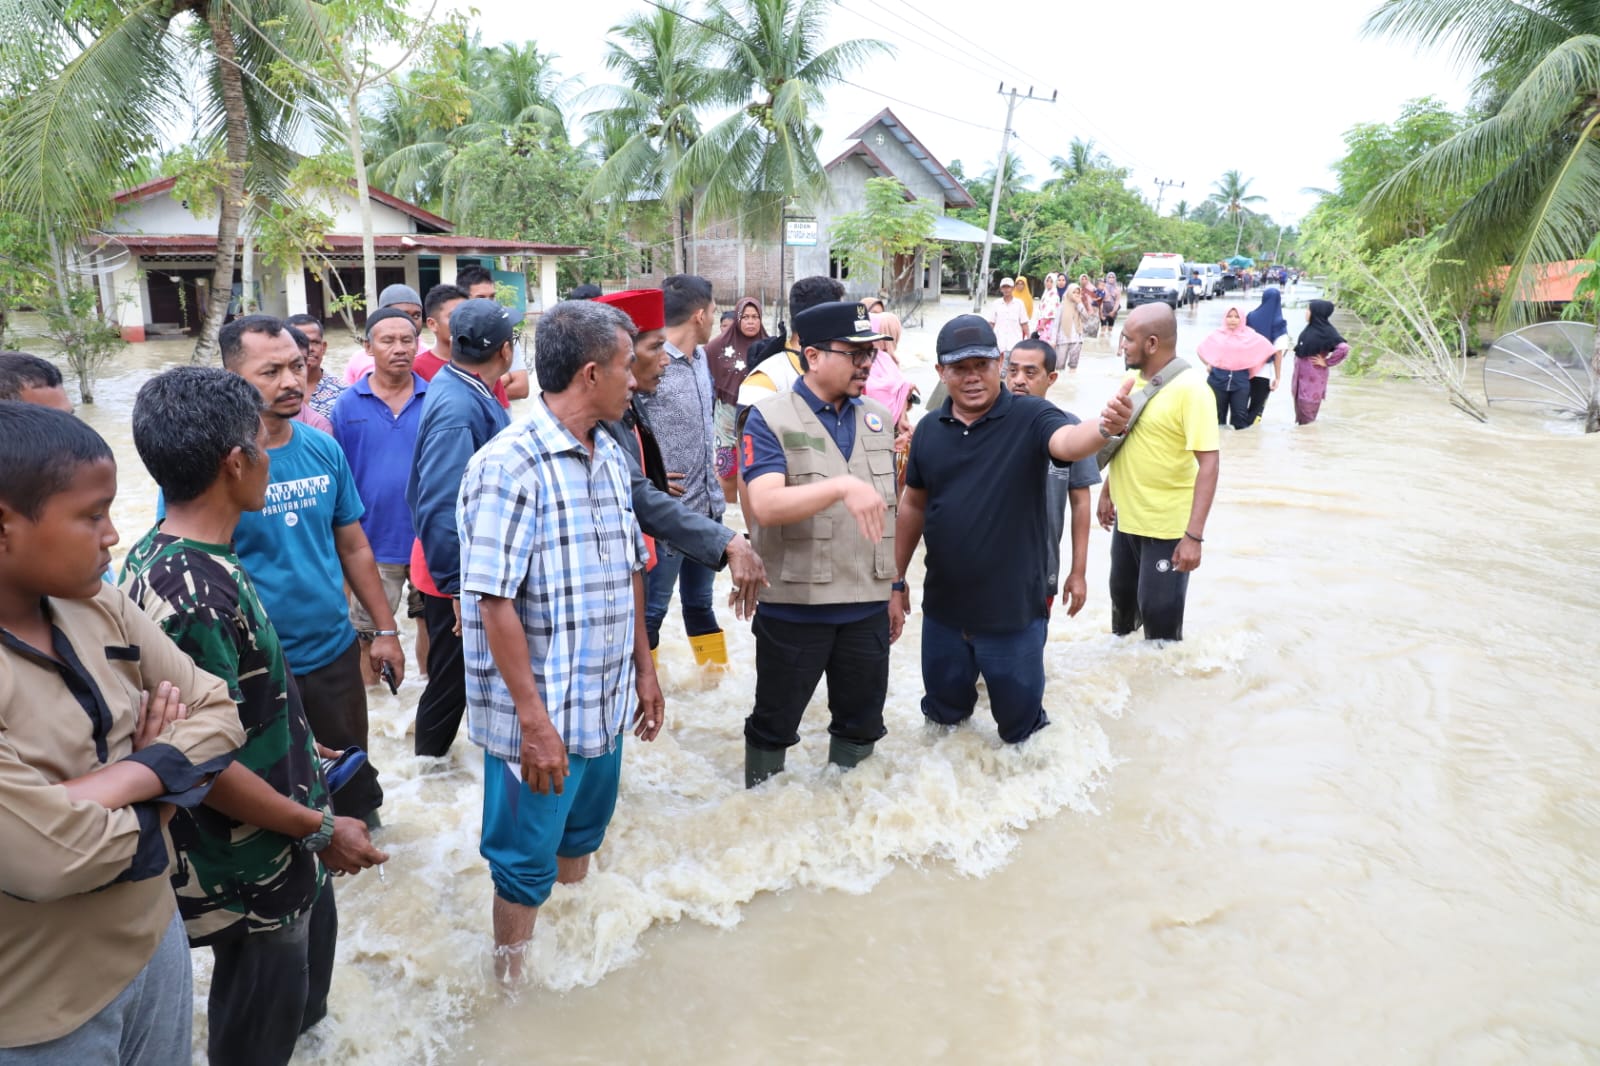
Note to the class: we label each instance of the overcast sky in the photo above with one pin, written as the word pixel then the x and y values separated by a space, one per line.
pixel 1170 89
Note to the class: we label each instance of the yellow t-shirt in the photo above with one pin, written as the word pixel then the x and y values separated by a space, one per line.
pixel 1152 474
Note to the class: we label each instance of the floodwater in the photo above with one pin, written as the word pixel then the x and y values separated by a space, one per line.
pixel 1351 819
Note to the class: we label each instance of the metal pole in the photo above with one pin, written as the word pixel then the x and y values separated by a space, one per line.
pixel 783 260
pixel 981 292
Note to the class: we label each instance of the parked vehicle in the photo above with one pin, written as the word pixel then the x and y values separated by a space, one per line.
pixel 1161 278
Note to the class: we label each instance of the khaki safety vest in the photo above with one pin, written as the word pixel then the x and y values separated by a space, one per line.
pixel 825 559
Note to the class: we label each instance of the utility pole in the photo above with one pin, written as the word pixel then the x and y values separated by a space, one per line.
pixel 982 287
pixel 1162 186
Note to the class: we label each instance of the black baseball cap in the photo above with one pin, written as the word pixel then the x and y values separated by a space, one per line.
pixel 966 337
pixel 479 326
pixel 816 326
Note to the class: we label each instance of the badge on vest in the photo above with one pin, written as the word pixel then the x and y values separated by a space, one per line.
pixel 873 422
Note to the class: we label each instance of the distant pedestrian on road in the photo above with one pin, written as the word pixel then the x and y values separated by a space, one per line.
pixel 1318 347
pixel 1069 327
pixel 1233 355
pixel 1267 320
pixel 1110 305
pixel 1008 317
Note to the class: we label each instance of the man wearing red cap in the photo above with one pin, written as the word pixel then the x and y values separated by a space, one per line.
pixel 660 515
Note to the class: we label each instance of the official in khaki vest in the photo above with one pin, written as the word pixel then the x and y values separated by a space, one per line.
pixel 818 465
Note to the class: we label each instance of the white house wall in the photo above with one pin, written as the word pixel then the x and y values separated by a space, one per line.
pixel 163 215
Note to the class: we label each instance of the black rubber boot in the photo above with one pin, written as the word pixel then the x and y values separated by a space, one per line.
pixel 760 764
pixel 847 753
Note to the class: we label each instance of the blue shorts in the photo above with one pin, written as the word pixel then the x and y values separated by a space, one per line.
pixel 524 831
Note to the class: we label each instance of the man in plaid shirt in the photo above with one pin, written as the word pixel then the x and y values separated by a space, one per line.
pixel 552 611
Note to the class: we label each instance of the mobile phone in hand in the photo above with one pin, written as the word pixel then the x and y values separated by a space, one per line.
pixel 387 673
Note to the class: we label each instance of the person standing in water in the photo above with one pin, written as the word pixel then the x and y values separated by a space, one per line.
pixel 1267 320
pixel 819 474
pixel 728 357
pixel 1233 353
pixel 1159 484
pixel 1318 347
pixel 552 598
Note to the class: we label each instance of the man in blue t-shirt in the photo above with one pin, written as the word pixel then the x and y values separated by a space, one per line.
pixel 303 547
pixel 375 421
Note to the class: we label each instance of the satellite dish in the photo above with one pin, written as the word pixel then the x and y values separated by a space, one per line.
pixel 1546 365
pixel 99 254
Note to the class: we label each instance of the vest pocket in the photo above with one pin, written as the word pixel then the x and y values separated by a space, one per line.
pixel 880 462
pixel 807 555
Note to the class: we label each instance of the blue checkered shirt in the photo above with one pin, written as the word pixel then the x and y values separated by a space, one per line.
pixel 551 528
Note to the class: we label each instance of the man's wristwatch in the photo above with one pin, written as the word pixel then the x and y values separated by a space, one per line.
pixel 897 586
pixel 319 840
pixel 1105 433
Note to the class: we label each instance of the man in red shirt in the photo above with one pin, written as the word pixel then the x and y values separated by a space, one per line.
pixel 440 301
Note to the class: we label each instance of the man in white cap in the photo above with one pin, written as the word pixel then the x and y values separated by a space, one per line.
pixel 1008 317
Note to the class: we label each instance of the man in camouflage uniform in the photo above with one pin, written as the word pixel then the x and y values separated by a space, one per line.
pixel 249 882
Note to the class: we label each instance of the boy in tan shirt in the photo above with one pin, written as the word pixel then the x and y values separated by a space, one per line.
pixel 104 727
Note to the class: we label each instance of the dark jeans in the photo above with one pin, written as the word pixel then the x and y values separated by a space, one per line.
pixel 445 699
pixel 791 658
pixel 1233 396
pixel 268 988
pixel 336 706
pixel 675 570
pixel 1146 589
pixel 1012 667
pixel 1260 392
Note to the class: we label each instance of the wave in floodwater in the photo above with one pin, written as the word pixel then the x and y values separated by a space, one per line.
pixel 690 843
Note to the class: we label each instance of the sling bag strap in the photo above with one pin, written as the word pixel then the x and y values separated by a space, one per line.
pixel 1139 400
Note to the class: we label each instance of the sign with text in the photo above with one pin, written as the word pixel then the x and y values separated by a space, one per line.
pixel 801 233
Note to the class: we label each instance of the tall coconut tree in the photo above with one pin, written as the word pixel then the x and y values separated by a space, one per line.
pixel 1534 168
pixel 1500 42
pixel 650 123
pixel 1232 194
pixel 772 67
pixel 113 76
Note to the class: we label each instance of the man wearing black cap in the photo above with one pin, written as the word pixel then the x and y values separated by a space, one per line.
pixel 972 487
pixel 818 463
pixel 459 416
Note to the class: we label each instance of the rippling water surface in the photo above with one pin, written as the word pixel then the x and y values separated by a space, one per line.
pixel 1352 818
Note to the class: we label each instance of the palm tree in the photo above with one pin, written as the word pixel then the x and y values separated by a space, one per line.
pixel 662 58
pixel 1232 193
pixel 1180 210
pixel 64 149
pixel 509 86
pixel 1503 42
pixel 774 69
pixel 1016 178
pixel 1534 167
pixel 1081 158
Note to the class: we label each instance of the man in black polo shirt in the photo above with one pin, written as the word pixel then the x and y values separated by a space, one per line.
pixel 973 486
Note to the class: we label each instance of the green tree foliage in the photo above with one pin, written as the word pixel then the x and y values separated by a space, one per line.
pixel 1232 194
pixel 770 64
pixel 109 79
pixel 889 230
pixel 662 59
pixel 533 189
pixel 1375 151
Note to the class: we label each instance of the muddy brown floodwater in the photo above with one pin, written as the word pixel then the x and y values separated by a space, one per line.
pixel 1352 818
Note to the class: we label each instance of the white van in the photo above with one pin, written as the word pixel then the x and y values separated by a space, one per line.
pixel 1159 279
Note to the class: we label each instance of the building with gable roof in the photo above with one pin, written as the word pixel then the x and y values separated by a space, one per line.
pixel 163 287
pixel 883 146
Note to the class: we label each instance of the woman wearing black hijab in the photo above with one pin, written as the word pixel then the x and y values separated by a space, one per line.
pixel 1268 321
pixel 1318 348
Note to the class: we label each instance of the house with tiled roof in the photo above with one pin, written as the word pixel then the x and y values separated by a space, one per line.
pixel 168 253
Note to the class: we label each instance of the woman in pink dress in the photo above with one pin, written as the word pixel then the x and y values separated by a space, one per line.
pixel 1049 307
pixel 1318 347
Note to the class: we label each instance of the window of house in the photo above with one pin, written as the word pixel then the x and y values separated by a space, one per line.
pixel 647 264
pixel 838 268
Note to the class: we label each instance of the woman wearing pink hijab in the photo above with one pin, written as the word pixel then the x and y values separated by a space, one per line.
pixel 887 384
pixel 1234 353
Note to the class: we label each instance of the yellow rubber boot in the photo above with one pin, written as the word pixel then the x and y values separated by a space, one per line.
pixel 710 649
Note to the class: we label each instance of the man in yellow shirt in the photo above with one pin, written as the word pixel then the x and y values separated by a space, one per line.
pixel 1164 478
